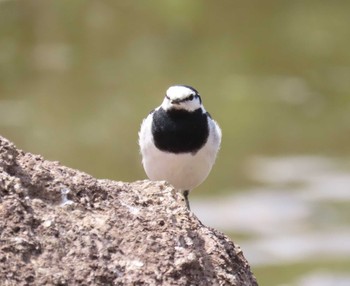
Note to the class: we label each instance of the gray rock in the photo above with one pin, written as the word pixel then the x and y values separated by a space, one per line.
pixel 60 226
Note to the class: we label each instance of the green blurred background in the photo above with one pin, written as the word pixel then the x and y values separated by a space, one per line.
pixel 78 77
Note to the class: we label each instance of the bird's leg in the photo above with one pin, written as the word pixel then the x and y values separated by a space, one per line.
pixel 186 193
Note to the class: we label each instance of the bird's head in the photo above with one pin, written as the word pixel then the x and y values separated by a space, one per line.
pixel 182 97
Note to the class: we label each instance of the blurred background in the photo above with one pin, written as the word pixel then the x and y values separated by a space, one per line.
pixel 78 77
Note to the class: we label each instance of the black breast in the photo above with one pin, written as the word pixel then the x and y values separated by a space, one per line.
pixel 180 131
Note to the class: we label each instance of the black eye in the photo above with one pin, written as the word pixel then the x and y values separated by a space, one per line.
pixel 190 97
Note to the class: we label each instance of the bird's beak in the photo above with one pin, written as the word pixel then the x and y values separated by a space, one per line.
pixel 176 101
pixel 173 101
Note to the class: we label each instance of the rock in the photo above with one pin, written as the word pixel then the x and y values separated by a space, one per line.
pixel 60 226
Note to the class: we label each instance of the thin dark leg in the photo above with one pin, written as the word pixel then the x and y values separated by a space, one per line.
pixel 186 193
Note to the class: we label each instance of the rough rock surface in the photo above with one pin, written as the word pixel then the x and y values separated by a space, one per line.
pixel 60 226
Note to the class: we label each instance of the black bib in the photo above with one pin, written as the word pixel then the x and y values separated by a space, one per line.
pixel 180 131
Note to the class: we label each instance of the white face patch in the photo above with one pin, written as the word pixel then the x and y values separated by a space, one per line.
pixel 181 97
pixel 179 92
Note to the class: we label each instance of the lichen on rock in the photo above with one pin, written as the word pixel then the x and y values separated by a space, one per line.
pixel 60 226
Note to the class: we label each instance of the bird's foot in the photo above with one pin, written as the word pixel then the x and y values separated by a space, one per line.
pixel 186 193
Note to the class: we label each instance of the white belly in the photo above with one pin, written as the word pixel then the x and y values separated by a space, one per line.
pixel 184 171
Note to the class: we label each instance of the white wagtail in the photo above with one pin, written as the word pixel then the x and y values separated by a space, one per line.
pixel 179 140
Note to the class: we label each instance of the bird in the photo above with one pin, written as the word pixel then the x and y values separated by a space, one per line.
pixel 179 141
